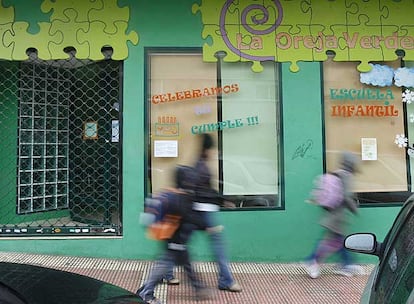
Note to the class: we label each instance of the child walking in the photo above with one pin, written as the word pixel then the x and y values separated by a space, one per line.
pixel 208 203
pixel 176 252
pixel 334 224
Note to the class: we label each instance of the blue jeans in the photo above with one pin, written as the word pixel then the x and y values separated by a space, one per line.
pixel 225 278
pixel 331 243
pixel 162 266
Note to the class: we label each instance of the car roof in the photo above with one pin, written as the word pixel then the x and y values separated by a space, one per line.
pixel 40 285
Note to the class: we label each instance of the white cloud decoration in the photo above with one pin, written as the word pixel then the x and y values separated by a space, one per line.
pixel 380 75
pixel 404 77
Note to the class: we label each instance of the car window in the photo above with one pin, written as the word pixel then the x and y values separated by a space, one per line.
pixel 401 217
pixel 395 279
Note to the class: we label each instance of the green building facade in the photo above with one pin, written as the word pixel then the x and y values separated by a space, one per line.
pixel 77 73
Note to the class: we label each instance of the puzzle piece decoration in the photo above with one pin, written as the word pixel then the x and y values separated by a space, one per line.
pixel 19 46
pixel 58 8
pixel 86 25
pixel 68 28
pixel 241 28
pixel 6 23
pixel 101 38
pixel 400 12
pixel 24 10
pixel 118 14
pixel 305 30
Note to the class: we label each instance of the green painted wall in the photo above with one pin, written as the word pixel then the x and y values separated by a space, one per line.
pixel 286 235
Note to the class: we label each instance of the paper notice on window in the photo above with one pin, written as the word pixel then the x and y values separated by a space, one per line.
pixel 165 148
pixel 369 148
pixel 115 131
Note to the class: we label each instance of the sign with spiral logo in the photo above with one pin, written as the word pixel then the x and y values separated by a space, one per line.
pixel 297 30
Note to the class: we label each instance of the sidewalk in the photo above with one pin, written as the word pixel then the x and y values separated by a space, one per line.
pixel 267 283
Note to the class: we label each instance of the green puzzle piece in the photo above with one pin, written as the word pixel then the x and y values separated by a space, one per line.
pixel 295 13
pixel 73 23
pixel 309 28
pixel 69 31
pixel 6 23
pixel 21 40
pixel 286 52
pixel 209 50
pixel 211 19
pixel 98 38
pixel 327 13
pixel 370 10
pixel 25 10
pixel 109 14
pixel 235 37
pixel 82 8
pixel 399 12
pixel 209 11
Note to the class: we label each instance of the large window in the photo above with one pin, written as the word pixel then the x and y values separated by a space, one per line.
pixel 369 114
pixel 238 107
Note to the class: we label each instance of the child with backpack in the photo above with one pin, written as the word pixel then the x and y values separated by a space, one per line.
pixel 208 203
pixel 179 205
pixel 334 221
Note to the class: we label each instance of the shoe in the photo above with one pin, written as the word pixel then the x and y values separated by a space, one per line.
pixel 235 287
pixel 153 301
pixel 139 290
pixel 204 294
pixel 173 281
pixel 344 272
pixel 355 269
pixel 312 268
pixel 350 270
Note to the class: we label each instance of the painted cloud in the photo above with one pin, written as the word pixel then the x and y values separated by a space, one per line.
pixel 380 75
pixel 404 77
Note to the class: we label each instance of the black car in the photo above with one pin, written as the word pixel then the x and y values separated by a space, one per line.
pixel 28 284
pixel 392 280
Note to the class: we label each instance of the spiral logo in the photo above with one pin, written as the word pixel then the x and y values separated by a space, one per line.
pixel 258 15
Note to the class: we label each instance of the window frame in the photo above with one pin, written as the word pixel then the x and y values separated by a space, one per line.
pixel 370 199
pixel 279 198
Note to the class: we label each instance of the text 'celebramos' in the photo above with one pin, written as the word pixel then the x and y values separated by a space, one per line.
pixel 194 93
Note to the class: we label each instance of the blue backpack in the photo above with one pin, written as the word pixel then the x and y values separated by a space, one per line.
pixel 163 212
pixel 161 215
pixel 328 191
pixel 161 205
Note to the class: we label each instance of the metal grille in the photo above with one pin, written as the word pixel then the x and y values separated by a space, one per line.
pixel 43 138
pixel 61 178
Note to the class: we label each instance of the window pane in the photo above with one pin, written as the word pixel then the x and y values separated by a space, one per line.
pixel 238 107
pixel 250 152
pixel 365 118
pixel 173 116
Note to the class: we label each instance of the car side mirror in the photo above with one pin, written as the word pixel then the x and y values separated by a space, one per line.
pixel 363 243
